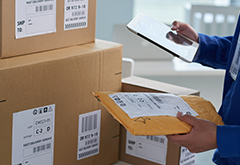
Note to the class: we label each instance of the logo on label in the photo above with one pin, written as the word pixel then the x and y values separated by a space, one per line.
pixel 42 110
pixel 35 111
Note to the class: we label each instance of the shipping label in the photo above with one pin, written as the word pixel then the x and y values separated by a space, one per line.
pixel 151 148
pixel 186 157
pixel 76 14
pixel 89 134
pixel 33 136
pixel 34 17
pixel 151 104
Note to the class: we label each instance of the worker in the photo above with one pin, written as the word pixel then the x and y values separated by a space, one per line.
pixel 220 53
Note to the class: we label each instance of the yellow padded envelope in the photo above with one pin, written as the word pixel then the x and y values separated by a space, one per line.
pixel 159 125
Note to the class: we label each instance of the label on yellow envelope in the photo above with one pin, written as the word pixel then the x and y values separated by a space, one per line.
pixel 151 104
pixel 156 124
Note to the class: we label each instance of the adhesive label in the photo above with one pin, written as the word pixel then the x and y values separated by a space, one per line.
pixel 34 17
pixel 33 136
pixel 151 148
pixel 76 14
pixel 89 134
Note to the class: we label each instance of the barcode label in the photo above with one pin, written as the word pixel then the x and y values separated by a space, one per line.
pixel 186 157
pixel 85 154
pixel 75 25
pixel 157 99
pixel 78 13
pixel 74 1
pixel 118 101
pixel 44 8
pixel 190 163
pixel 156 139
pixel 89 123
pixel 91 141
pixel 42 148
pixel 188 154
pixel 151 148
pixel 89 134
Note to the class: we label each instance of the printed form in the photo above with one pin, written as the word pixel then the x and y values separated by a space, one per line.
pixel 151 104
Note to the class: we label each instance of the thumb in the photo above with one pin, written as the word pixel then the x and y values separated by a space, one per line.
pixel 191 120
pixel 179 26
pixel 175 25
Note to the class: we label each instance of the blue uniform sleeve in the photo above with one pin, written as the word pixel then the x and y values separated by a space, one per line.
pixel 213 51
pixel 228 146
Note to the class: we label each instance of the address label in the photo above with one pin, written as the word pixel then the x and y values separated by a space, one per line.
pixel 33 136
pixel 34 17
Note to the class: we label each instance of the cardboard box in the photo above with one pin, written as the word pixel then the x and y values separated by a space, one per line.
pixel 34 25
pixel 141 149
pixel 32 86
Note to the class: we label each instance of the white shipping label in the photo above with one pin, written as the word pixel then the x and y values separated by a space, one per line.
pixel 89 134
pixel 76 14
pixel 151 104
pixel 151 148
pixel 186 157
pixel 34 17
pixel 33 136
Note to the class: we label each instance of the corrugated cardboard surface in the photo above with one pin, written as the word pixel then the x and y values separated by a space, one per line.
pixel 66 78
pixel 137 84
pixel 12 47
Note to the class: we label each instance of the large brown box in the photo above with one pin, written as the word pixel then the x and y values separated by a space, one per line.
pixel 137 84
pixel 64 77
pixel 10 46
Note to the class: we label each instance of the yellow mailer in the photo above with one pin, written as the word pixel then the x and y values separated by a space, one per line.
pixel 159 125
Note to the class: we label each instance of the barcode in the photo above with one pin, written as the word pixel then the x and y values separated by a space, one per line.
pixel 43 8
pixel 157 99
pixel 42 147
pixel 91 141
pixel 75 25
pixel 84 154
pixel 188 154
pixel 75 0
pixel 78 13
pixel 118 101
pixel 156 139
pixel 89 123
pixel 190 163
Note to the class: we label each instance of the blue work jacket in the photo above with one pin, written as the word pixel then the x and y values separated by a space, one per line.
pixel 217 52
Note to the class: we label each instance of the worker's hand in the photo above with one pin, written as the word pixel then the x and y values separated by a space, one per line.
pixel 185 29
pixel 201 138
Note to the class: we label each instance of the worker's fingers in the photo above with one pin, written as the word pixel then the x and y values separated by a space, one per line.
pixel 191 120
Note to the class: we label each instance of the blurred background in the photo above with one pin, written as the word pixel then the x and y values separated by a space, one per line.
pixel 212 17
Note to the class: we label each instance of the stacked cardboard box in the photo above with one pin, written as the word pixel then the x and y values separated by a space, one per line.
pixel 48 114
pixel 50 63
pixel 152 150
pixel 38 25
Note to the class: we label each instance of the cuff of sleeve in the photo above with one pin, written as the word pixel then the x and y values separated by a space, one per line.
pixel 228 141
pixel 195 59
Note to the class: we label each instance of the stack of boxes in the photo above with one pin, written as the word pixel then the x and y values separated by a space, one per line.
pixel 50 63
